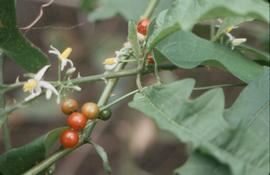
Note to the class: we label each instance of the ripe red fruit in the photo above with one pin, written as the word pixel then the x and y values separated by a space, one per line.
pixel 69 138
pixel 90 110
pixel 69 105
pixel 142 26
pixel 77 121
pixel 150 59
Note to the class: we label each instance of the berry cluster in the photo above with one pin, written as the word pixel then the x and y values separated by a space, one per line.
pixel 78 120
pixel 142 28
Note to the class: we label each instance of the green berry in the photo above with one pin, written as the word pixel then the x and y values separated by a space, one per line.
pixel 105 114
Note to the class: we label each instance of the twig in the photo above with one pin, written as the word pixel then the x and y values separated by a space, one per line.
pixel 39 15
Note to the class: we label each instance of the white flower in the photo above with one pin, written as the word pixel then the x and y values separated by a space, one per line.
pixel 63 57
pixel 238 41
pixel 35 85
pixel 234 41
pixel 111 63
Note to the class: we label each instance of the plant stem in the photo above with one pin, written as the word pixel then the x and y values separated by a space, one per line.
pixel 59 70
pixel 212 30
pixel 150 9
pixel 4 113
pixel 6 134
pixel 120 99
pixel 218 86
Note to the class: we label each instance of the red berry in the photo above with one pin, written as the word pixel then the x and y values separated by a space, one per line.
pixel 69 105
pixel 69 138
pixel 142 26
pixel 150 59
pixel 90 110
pixel 77 121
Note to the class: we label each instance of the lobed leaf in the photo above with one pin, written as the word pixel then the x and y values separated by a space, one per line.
pixel 187 50
pixel 249 116
pixel 233 145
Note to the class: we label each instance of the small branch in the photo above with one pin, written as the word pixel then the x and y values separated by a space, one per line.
pixel 150 9
pixel 4 114
pixel 218 86
pixel 120 99
pixel 39 15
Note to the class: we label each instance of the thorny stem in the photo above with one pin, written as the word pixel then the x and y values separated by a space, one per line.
pixel 6 134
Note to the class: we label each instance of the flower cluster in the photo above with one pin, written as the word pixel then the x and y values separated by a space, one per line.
pixel 234 41
pixel 111 63
pixel 36 83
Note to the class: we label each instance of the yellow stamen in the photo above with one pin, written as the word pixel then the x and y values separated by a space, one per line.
pixel 65 54
pixel 229 29
pixel 30 85
pixel 110 61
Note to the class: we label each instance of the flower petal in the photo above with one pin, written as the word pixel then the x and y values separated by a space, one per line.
pixel 49 86
pixel 54 50
pixel 48 94
pixel 63 64
pixel 70 62
pixel 41 72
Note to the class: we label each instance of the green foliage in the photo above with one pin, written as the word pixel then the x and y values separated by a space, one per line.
pixel 104 157
pixel 184 14
pixel 13 44
pixel 132 38
pixel 129 9
pixel 186 50
pixel 18 160
pixel 88 5
pixel 234 144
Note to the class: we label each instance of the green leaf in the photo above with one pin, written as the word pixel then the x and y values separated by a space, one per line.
pixel 187 50
pixel 88 5
pixel 229 142
pixel 18 160
pixel 170 106
pixel 184 14
pixel 129 9
pixel 104 157
pixel 13 44
pixel 132 38
pixel 260 55
pixel 249 116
